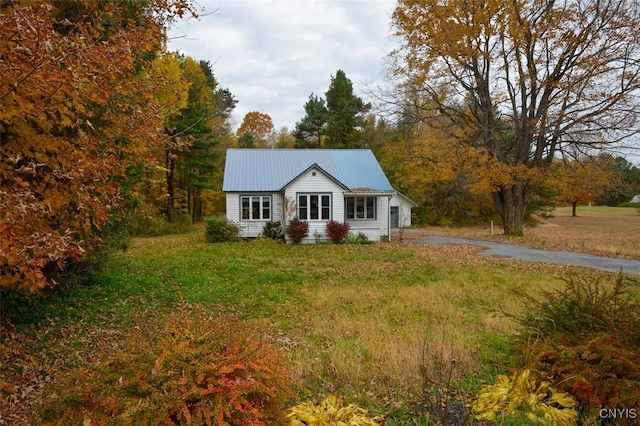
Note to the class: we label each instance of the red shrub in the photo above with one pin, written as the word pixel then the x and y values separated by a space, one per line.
pixel 337 231
pixel 297 229
pixel 587 342
pixel 202 370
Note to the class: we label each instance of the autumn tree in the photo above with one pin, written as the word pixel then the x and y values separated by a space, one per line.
pixel 435 170
pixel 256 130
pixel 80 105
pixel 522 81
pixel 284 138
pixel 581 180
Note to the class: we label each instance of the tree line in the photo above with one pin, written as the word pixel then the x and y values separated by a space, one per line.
pixel 99 126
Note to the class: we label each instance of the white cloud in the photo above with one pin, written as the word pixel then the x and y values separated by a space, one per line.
pixel 272 54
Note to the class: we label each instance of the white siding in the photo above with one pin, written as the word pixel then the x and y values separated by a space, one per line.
pixel 252 228
pixel 404 210
pixel 233 206
pixel 313 181
pixel 374 229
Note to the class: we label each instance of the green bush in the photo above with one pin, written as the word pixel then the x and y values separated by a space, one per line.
pixel 273 230
pixel 585 339
pixel 219 229
pixel 199 370
pixel 358 238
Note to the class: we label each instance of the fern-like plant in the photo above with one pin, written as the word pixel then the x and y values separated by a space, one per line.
pixel 586 338
pixel 200 370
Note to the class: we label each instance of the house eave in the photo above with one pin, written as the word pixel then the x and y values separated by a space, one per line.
pixel 372 193
pixel 320 169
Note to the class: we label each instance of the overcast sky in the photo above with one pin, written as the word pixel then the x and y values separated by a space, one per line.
pixel 272 54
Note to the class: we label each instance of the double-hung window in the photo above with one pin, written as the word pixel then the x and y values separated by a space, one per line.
pixel 360 208
pixel 255 207
pixel 314 206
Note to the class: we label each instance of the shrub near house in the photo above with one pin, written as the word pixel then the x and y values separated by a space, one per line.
pixel 297 230
pixel 337 231
pixel 219 229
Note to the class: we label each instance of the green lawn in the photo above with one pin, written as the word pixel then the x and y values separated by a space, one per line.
pixel 380 325
pixel 598 211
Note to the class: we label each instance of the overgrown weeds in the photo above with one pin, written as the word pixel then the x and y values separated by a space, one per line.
pixel 198 370
pixel 442 370
pixel 350 318
pixel 584 338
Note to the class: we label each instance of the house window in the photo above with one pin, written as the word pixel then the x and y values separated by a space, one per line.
pixel 360 208
pixel 314 206
pixel 255 207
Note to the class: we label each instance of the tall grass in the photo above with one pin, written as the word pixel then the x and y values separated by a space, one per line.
pixel 368 322
pixel 355 317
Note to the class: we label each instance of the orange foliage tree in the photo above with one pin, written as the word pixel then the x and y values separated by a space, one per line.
pixel 581 181
pixel 257 130
pixel 527 79
pixel 444 176
pixel 80 107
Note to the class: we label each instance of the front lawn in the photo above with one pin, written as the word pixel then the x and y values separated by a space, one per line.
pixel 388 326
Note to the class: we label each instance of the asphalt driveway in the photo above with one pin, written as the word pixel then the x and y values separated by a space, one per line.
pixel 527 254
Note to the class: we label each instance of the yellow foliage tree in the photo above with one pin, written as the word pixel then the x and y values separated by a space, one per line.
pixel 80 106
pixel 521 81
pixel 581 181
pixel 258 128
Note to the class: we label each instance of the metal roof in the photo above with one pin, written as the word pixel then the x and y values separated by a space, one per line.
pixel 271 170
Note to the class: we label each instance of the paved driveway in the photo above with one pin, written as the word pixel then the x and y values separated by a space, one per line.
pixel 628 266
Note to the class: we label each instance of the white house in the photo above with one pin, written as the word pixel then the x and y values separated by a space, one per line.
pixel 401 210
pixel 316 185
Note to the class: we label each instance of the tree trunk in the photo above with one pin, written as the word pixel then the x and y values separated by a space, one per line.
pixel 511 203
pixel 196 211
pixel 170 166
pixel 573 209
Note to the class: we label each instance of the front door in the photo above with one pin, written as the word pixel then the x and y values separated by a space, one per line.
pixel 395 216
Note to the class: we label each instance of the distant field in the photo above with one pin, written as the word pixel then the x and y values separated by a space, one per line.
pixel 599 211
pixel 605 231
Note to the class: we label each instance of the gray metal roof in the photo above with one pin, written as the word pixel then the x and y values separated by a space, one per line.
pixel 271 170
